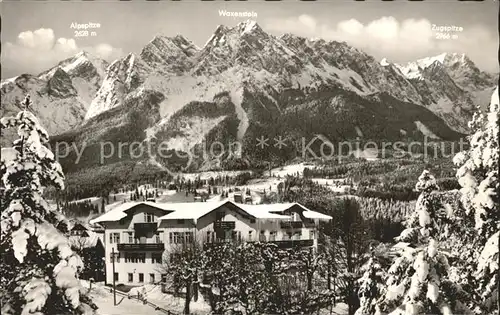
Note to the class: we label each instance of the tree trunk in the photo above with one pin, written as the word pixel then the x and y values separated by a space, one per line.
pixel 309 281
pixel 329 277
pixel 188 296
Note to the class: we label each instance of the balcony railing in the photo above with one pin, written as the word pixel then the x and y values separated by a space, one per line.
pixel 291 224
pixel 280 244
pixel 146 227
pixel 141 246
pixel 293 243
pixel 309 224
pixel 224 225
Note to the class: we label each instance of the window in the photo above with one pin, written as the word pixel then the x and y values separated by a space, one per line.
pixel 135 257
pixel 117 257
pixel 130 237
pixel 287 236
pixel 312 234
pixel 177 238
pixel 208 236
pixel 181 237
pixel 236 236
pixel 295 216
pixel 114 238
pixel 262 236
pixel 148 217
pixel 116 276
pixel 156 258
pixel 141 277
pixel 250 236
pixel 152 278
pixel 297 235
pixel 272 236
pixel 189 237
pixel 252 220
pixel 130 277
pixel 159 237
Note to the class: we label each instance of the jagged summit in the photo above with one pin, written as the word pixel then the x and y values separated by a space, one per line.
pixel 257 70
pixel 248 26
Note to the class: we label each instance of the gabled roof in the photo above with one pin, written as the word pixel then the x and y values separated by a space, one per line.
pixel 118 212
pixel 263 211
pixel 196 210
pixel 282 207
pixel 191 210
pixel 78 226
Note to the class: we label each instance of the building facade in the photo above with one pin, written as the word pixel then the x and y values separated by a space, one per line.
pixel 141 235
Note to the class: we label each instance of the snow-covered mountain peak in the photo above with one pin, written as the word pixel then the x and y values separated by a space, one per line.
pixel 83 65
pixel 169 54
pixel 248 26
pixel 384 62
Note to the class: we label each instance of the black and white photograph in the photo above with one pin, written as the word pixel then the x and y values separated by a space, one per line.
pixel 250 157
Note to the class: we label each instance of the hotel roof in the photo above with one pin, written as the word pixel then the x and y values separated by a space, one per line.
pixel 196 210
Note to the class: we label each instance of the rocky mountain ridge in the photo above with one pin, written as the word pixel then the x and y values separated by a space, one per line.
pixel 245 83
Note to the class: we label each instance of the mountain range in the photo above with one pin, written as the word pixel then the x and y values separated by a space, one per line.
pixel 245 83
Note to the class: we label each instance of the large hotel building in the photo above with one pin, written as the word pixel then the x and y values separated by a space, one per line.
pixel 140 233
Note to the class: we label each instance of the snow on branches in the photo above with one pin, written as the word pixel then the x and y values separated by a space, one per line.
pixel 371 287
pixel 478 170
pixel 37 258
pixel 479 178
pixel 418 279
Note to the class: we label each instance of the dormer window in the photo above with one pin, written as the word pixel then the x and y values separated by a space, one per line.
pixel 149 217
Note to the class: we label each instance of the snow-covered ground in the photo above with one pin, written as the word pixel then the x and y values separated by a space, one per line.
pixel 208 174
pixel 91 199
pixel 103 298
pixel 154 295
pixel 291 169
pixel 424 130
pixel 336 185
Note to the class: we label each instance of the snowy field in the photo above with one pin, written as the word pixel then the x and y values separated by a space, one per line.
pixel 336 185
pixel 103 298
pixel 208 174
pixel 154 295
pixel 291 169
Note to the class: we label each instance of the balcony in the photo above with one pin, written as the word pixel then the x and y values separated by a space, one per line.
pixel 141 247
pixel 291 224
pixel 293 243
pixel 280 244
pixel 146 227
pixel 224 225
pixel 309 224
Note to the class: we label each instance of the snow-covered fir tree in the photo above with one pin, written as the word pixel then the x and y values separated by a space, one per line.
pixel 418 281
pixel 478 177
pixel 39 269
pixel 371 286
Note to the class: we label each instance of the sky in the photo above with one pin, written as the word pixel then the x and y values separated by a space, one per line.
pixel 37 35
